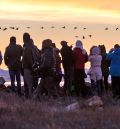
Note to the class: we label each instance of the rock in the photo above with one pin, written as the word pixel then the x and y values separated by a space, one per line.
pixel 95 101
pixel 72 107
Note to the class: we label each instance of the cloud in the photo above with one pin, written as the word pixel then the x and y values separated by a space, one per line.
pixel 93 4
pixel 67 10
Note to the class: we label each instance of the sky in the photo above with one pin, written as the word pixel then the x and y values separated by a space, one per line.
pixel 94 15
pixel 49 10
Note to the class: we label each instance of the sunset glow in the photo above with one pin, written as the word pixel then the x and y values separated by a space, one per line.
pixel 80 10
pixel 95 15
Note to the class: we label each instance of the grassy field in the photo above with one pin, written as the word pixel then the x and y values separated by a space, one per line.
pixel 19 113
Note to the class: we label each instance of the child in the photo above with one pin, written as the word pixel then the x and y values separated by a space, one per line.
pixel 95 71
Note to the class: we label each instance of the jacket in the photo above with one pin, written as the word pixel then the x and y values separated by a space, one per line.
pixel 67 56
pixel 80 58
pixel 48 62
pixel 30 55
pixel 12 56
pixel 114 58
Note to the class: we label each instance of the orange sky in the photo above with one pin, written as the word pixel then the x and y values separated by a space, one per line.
pixel 48 10
pixel 93 14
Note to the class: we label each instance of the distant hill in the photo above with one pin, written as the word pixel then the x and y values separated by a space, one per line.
pixel 5 74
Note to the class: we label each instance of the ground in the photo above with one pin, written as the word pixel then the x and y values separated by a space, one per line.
pixel 21 113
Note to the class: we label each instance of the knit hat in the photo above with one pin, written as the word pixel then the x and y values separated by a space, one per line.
pixel 96 51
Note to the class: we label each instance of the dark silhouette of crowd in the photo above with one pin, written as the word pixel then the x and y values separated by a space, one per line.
pixel 42 69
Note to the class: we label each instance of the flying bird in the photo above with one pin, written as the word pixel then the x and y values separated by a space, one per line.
pixel 83 37
pixel 4 29
pixel 90 36
pixel 75 27
pixel 17 28
pixel 76 36
pixel 52 27
pixel 117 28
pixel 84 28
pixel 12 28
pixel 42 27
pixel 63 27
pixel 28 27
pixel 106 28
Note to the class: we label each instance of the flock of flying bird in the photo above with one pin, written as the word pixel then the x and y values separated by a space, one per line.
pixel 63 27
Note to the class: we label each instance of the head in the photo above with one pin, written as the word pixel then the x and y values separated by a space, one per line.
pixel 26 38
pixel 12 40
pixel 63 43
pixel 102 49
pixel 95 50
pixel 47 43
pixel 79 44
pixel 53 45
pixel 31 41
pixel 116 46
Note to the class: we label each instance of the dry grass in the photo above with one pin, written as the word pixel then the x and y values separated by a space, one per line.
pixel 18 113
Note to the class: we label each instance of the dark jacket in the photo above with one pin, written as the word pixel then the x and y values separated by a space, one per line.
pixel 105 65
pixel 67 56
pixel 47 66
pixel 30 56
pixel 12 56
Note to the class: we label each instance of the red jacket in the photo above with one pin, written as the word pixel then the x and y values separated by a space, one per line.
pixel 79 58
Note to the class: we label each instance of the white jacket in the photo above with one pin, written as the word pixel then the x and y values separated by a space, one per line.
pixel 95 71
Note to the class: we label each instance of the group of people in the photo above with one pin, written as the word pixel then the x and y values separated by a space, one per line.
pixel 42 72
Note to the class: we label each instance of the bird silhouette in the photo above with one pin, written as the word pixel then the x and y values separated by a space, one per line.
pixel 42 27
pixel 52 27
pixel 28 27
pixel 4 29
pixel 77 36
pixel 83 37
pixel 75 27
pixel 12 28
pixel 117 28
pixel 84 28
pixel 0 28
pixel 106 28
pixel 63 27
pixel 90 36
pixel 17 28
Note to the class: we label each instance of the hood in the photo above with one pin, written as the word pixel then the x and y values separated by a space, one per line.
pixel 117 51
pixel 80 46
pixel 95 51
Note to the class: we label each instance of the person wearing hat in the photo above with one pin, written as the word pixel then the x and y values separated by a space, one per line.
pixel 68 63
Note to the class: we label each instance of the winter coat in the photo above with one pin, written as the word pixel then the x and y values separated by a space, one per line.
pixel 95 71
pixel 114 57
pixel 12 56
pixel 48 62
pixel 67 56
pixel 80 58
pixel 30 55
pixel 105 65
